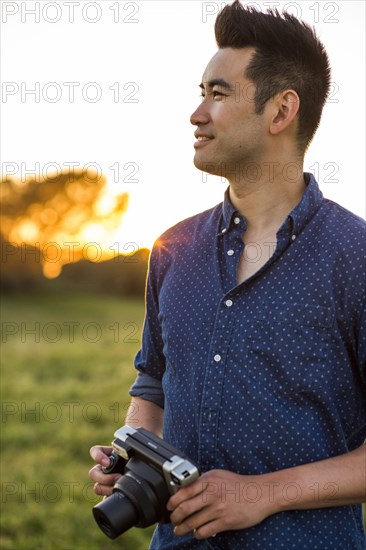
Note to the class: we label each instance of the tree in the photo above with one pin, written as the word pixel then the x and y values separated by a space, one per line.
pixel 54 214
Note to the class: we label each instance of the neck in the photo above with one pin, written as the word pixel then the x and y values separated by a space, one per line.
pixel 266 200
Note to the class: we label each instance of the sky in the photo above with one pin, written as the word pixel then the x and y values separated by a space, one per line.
pixel 111 85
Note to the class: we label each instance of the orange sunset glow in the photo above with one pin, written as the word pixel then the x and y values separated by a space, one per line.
pixel 65 217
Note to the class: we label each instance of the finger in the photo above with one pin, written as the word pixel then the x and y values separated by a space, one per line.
pixel 186 509
pixel 102 490
pixel 195 523
pixel 198 486
pixel 209 529
pixel 184 494
pixel 96 474
pixel 100 454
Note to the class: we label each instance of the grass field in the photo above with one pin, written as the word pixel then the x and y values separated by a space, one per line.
pixel 67 365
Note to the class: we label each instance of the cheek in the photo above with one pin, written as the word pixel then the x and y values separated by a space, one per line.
pixel 225 112
pixel 232 116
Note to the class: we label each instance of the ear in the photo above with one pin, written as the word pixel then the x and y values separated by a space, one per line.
pixel 286 106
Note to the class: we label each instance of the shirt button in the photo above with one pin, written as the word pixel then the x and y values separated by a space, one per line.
pixel 236 220
pixel 229 303
pixel 293 237
pixel 217 358
pixel 223 230
pixel 230 252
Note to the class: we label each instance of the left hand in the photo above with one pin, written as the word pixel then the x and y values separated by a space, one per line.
pixel 219 501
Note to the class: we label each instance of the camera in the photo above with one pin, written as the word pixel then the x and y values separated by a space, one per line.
pixel 152 471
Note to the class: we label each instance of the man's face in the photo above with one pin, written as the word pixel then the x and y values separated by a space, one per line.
pixel 226 116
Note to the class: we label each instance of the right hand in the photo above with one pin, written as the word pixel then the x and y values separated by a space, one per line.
pixel 103 482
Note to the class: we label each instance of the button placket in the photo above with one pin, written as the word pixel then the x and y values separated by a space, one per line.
pixel 213 382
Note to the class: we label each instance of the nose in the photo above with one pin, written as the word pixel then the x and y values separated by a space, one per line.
pixel 200 115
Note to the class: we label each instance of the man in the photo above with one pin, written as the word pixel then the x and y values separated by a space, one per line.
pixel 253 359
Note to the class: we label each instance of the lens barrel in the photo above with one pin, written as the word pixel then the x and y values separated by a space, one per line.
pixel 139 499
pixel 115 515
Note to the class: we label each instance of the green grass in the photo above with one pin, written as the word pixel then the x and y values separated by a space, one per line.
pixel 59 398
pixel 67 365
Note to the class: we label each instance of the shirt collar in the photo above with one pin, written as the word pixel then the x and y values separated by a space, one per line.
pixel 297 218
pixel 228 211
pixel 307 207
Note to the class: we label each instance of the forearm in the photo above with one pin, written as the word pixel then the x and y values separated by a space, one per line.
pixel 335 481
pixel 146 414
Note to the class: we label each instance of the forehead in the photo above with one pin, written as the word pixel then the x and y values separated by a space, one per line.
pixel 229 64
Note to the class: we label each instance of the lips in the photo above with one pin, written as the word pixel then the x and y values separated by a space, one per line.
pixel 202 139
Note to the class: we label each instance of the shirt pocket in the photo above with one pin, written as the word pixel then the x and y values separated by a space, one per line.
pixel 289 347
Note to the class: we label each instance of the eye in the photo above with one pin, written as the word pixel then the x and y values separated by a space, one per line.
pixel 215 94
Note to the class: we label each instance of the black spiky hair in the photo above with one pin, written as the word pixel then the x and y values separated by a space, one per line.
pixel 288 55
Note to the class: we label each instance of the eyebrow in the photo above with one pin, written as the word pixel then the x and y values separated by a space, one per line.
pixel 218 82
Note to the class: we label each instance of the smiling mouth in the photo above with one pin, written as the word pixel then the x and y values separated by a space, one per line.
pixel 202 141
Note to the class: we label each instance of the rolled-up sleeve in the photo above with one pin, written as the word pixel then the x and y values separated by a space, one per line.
pixel 147 387
pixel 150 360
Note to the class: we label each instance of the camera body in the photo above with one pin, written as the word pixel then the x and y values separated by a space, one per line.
pixel 152 471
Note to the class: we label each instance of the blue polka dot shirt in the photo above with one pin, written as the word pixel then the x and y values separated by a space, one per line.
pixel 263 375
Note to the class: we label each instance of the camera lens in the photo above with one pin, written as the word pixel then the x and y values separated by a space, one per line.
pixel 134 502
pixel 115 515
pixel 139 499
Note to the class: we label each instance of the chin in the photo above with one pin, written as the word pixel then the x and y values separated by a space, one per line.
pixel 208 166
